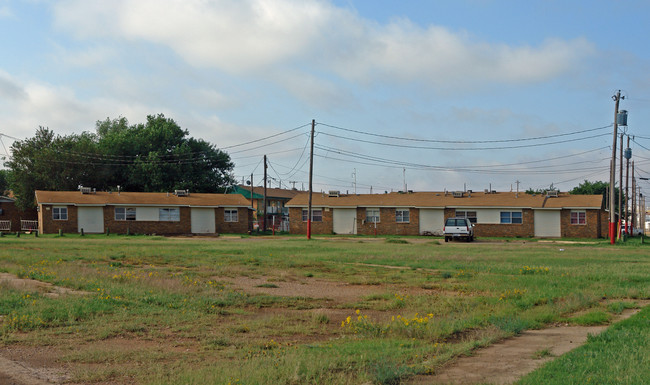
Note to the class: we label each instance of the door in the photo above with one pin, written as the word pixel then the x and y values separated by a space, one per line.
pixel 547 223
pixel 90 219
pixel 344 221
pixel 432 221
pixel 203 221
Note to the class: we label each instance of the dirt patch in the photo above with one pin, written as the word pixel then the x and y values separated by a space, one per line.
pixel 509 360
pixel 47 289
pixel 28 366
pixel 311 288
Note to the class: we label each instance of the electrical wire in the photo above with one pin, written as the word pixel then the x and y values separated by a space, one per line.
pixel 462 148
pixel 464 141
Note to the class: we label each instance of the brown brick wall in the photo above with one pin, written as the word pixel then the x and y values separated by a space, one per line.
pixel 184 226
pixel 387 224
pixel 11 213
pixel 242 226
pixel 297 226
pixel 525 229
pixel 589 230
pixel 47 225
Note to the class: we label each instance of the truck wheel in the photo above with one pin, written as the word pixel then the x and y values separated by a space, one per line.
pixel 446 239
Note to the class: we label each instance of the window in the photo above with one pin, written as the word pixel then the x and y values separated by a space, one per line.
pixel 402 216
pixel 60 213
pixel 230 215
pixel 125 213
pixel 471 215
pixel 578 217
pixel 372 215
pixel 514 217
pixel 316 215
pixel 169 215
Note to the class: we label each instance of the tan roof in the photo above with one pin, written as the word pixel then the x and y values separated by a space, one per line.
pixel 140 198
pixel 440 200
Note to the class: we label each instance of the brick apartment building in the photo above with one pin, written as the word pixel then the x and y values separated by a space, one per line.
pixel 495 214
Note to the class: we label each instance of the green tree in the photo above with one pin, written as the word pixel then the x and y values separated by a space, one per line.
pixel 4 182
pixel 596 188
pixel 156 156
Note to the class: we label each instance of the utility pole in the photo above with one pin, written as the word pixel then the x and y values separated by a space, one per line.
pixel 612 172
pixel 627 180
pixel 311 176
pixel 517 194
pixel 354 174
pixel 620 191
pixel 404 177
pixel 633 221
pixel 264 220
pixel 252 206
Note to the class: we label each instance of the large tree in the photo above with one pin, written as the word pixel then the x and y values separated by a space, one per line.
pixel 4 181
pixel 596 188
pixel 154 156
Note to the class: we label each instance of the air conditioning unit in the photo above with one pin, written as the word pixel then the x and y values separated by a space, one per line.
pixel 181 193
pixel 551 193
pixel 334 193
pixel 457 194
pixel 86 190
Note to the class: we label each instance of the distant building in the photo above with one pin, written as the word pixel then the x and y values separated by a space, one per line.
pixel 495 214
pixel 143 213
pixel 277 214
pixel 13 219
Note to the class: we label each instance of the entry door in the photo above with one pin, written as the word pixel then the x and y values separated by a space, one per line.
pixel 203 221
pixel 90 219
pixel 345 221
pixel 547 223
pixel 432 221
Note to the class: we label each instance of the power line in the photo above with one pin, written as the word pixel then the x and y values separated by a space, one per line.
pixel 464 141
pixel 462 148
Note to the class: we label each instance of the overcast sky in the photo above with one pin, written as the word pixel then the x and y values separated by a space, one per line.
pixel 437 94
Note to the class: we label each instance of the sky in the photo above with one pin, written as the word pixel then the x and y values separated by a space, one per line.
pixel 427 95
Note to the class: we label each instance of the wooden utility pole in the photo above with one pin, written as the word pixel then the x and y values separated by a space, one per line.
pixel 252 206
pixel 612 173
pixel 264 220
pixel 311 177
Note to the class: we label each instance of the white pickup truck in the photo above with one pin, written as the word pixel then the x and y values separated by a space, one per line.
pixel 458 228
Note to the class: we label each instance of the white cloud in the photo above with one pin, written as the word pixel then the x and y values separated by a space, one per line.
pixel 244 37
pixel 6 12
pixel 28 105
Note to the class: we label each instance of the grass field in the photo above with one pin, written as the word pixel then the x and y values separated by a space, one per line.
pixel 258 310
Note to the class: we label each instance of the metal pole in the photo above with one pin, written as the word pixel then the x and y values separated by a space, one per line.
pixel 612 174
pixel 264 219
pixel 620 191
pixel 627 194
pixel 311 177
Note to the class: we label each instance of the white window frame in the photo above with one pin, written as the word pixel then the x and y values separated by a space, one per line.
pixel 125 213
pixel 60 213
pixel 231 215
pixel 471 215
pixel 581 217
pixel 316 215
pixel 373 215
pixel 510 218
pixel 169 214
pixel 402 216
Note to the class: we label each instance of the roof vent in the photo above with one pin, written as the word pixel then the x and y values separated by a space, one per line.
pixel 457 194
pixel 334 193
pixel 552 193
pixel 87 190
pixel 182 193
